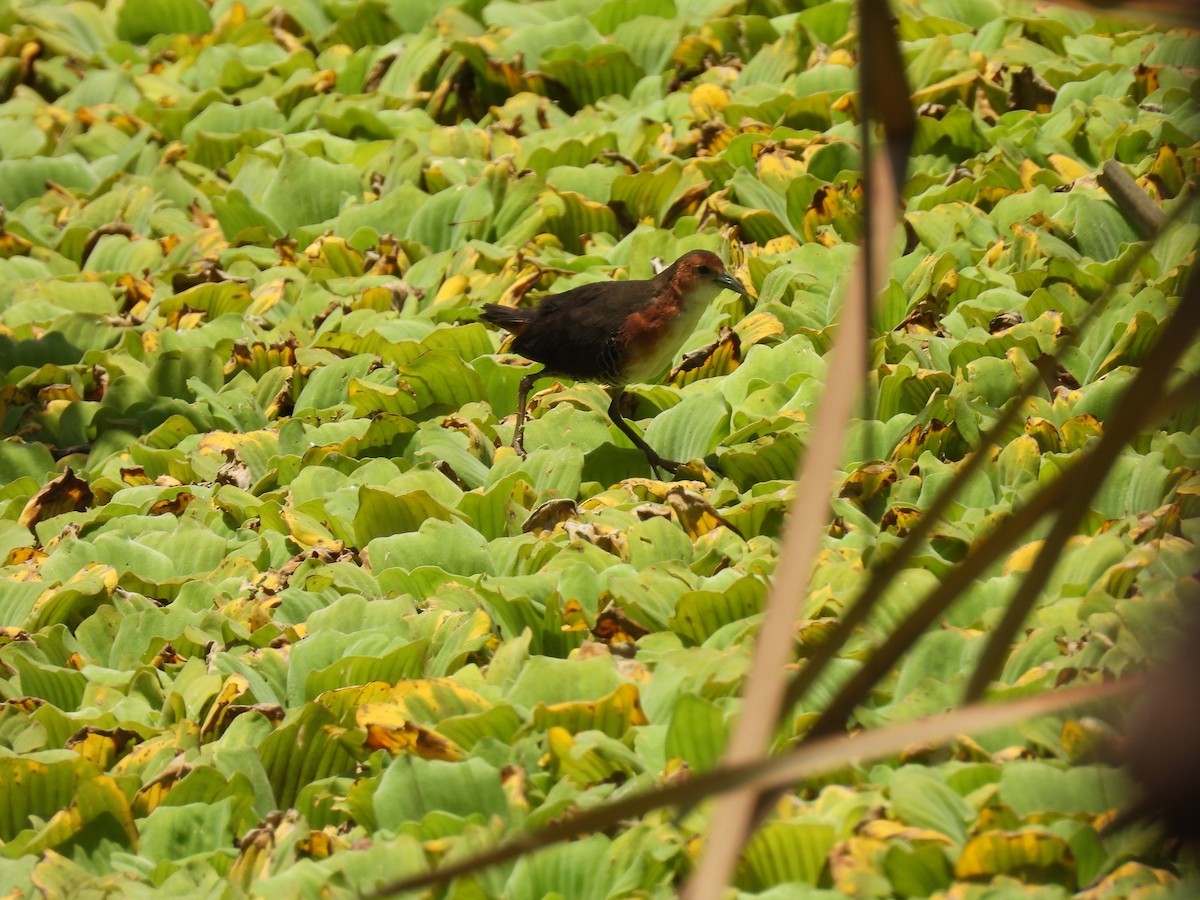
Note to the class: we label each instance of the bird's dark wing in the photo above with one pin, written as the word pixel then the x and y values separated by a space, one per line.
pixel 574 333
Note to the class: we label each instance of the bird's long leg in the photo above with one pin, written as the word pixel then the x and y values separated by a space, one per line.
pixel 614 413
pixel 518 442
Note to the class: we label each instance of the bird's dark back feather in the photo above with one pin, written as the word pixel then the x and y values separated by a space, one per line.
pixel 574 333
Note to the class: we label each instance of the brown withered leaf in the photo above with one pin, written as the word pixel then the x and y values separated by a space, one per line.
pixel 167 656
pixel 99 386
pixel 272 711
pixel 152 792
pixel 23 704
pixel 11 634
pixel 136 295
pixel 234 472
pixel 650 510
pixel 513 781
pixel 1004 321
pixel 687 202
pixel 207 272
pixel 549 515
pixel 12 244
pixel 925 318
pixel 259 357
pixel 331 554
pixel 1030 91
pixel 614 627
pixel 697 515
pixel 66 493
pixel 603 536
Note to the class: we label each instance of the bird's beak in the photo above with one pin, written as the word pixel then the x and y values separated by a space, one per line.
pixel 728 281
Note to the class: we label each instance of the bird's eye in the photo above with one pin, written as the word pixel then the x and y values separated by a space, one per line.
pixel 703 270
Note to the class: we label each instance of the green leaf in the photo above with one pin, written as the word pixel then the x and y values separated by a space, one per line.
pixel 38 789
pixel 453 547
pixel 780 852
pixel 578 869
pixel 697 732
pixel 141 20
pixel 1031 787
pixel 177 832
pixel 921 799
pixel 412 788
pixel 308 749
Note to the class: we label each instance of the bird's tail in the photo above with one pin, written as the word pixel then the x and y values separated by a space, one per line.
pixel 513 318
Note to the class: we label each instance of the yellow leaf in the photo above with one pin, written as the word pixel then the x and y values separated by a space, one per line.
pixel 1028 171
pixel 267 296
pixel 1000 852
pixel 235 687
pixel 779 164
pixel 452 288
pixel 708 100
pixel 758 327
pixel 1068 168
pixel 888 829
pixel 1022 559
pixel 812 633
pixel 1044 432
pixel 307 531
pixel 574 618
pixel 614 714
pixel 1079 430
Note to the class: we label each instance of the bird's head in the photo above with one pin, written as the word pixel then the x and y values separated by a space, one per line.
pixel 701 275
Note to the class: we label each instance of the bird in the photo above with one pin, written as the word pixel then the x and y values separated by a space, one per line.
pixel 616 333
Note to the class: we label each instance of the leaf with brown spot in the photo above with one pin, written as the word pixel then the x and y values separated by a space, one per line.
pixel 1035 854
pixel 235 687
pixel 173 506
pixel 320 845
pixel 103 746
pixel 720 357
pixel 135 476
pixel 388 728
pixel 899 519
pixel 574 617
pixel 614 714
pixel 25 556
pixel 868 482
